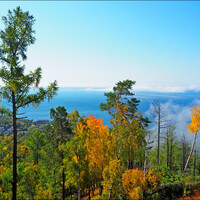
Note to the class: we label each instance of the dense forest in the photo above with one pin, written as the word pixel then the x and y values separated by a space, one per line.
pixel 78 157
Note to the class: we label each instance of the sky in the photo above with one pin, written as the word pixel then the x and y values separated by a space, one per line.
pixel 98 43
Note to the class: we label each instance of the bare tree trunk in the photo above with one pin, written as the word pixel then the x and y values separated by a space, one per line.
pixel 171 152
pixel 168 147
pixel 184 153
pixel 158 155
pixel 190 152
pixel 158 113
pixel 110 192
pixel 195 152
pixel 14 184
pixel 145 155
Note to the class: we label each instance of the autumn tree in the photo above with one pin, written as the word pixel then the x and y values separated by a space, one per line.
pixel 193 127
pixel 128 129
pixel 128 123
pixel 5 167
pixel 137 184
pixel 100 150
pixel 17 35
pixel 77 151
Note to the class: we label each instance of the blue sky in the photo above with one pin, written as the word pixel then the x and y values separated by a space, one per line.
pixel 98 43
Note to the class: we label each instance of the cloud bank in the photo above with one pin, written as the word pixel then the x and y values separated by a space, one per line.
pixel 153 88
pixel 178 115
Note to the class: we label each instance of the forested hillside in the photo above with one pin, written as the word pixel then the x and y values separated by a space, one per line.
pixel 78 157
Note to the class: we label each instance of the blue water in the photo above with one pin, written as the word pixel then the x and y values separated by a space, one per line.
pixel 87 102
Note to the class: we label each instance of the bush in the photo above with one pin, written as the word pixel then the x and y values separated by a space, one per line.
pixel 168 192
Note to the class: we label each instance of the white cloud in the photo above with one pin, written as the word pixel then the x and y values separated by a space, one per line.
pixel 173 89
pixel 99 89
pixel 178 115
pixel 152 88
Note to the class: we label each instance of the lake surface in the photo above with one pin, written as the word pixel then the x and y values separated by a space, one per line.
pixel 177 106
pixel 87 102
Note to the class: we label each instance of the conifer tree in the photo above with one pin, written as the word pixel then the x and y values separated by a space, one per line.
pixel 17 35
pixel 62 132
pixel 122 94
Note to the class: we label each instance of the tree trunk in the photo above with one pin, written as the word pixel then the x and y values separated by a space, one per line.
pixel 171 153
pixel 63 185
pixel 89 193
pixel 194 163
pixel 79 185
pixel 199 168
pixel 14 184
pixel 168 147
pixel 184 155
pixel 100 188
pixel 190 152
pixel 158 155
pixel 110 192
pixel 63 178
pixel 145 155
pixel 37 155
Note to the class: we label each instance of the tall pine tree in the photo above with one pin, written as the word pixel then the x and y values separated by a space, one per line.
pixel 17 35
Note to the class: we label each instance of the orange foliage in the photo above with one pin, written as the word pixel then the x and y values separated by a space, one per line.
pixel 23 149
pixel 135 183
pixel 153 179
pixel 98 143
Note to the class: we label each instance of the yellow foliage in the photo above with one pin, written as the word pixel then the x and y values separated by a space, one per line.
pixel 7 139
pixel 194 126
pixel 8 157
pixel 75 159
pixel 42 193
pixel 153 178
pixel 112 178
pixel 23 149
pixel 135 183
pixel 3 170
pixel 27 164
pixel 4 148
pixel 98 144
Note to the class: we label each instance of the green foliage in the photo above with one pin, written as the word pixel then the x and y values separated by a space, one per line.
pixel 170 191
pixel 123 95
pixel 15 39
pixel 120 93
pixel 17 35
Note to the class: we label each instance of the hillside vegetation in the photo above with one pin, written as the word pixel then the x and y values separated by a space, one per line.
pixel 78 157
